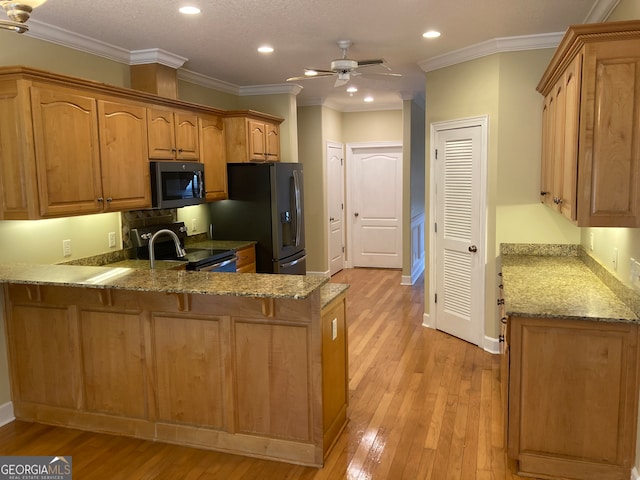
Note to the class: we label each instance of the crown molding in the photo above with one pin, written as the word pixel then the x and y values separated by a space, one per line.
pixel 601 10
pixel 490 47
pixel 273 89
pixel 208 82
pixel 66 38
pixel 156 55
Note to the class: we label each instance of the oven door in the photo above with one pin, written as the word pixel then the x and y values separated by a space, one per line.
pixel 223 265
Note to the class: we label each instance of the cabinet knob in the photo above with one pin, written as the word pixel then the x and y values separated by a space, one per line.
pixel 109 199
pixel 100 199
pixel 544 193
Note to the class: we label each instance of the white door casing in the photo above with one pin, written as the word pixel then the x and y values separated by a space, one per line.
pixel 335 199
pixel 458 250
pixel 374 216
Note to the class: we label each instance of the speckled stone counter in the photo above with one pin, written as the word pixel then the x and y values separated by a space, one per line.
pixel 166 281
pixel 330 291
pixel 559 287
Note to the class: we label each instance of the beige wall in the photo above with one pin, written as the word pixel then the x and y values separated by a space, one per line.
pixel 379 126
pixel 310 153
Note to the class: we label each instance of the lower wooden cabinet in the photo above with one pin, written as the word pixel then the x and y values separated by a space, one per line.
pixel 335 381
pixel 263 377
pixel 572 398
pixel 246 259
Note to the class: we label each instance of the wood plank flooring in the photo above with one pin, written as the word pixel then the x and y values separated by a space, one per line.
pixel 423 406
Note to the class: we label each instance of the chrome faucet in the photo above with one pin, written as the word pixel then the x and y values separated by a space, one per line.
pixel 179 250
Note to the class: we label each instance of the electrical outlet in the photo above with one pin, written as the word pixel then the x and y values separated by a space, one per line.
pixel 194 225
pixel 112 239
pixel 334 329
pixel 614 259
pixel 66 248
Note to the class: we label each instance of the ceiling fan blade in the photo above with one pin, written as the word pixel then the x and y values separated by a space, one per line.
pixel 309 77
pixel 367 63
pixel 318 70
pixel 384 74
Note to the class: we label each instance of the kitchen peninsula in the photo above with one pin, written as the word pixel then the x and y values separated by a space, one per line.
pixel 250 364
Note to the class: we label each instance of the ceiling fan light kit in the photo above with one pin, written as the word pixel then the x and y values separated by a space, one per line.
pixel 18 13
pixel 343 68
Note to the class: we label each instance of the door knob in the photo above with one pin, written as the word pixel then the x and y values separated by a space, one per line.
pixel 331 219
pixel 473 249
pixel 356 214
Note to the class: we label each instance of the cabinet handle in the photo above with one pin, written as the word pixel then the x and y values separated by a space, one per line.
pixel 180 150
pixel 504 320
pixel 109 199
pixel 501 301
pixel 501 338
pixel 544 193
pixel 100 199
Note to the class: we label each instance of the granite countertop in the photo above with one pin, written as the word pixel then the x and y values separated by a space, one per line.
pixel 167 281
pixel 330 291
pixel 559 287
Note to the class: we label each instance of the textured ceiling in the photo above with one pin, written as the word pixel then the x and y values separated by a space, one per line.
pixel 221 42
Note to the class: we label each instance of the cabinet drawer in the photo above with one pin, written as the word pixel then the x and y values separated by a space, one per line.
pixel 246 256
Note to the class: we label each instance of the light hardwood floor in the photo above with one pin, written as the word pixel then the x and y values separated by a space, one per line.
pixel 423 406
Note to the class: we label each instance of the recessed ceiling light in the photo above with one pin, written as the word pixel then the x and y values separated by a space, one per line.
pixel 352 89
pixel 368 98
pixel 431 34
pixel 265 49
pixel 189 10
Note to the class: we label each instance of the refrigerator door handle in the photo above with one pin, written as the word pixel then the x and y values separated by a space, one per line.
pixel 296 186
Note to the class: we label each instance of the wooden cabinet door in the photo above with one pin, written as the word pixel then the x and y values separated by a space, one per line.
pixel 65 129
pixel 257 140
pixel 113 364
pixel 124 155
pixel 572 81
pixel 573 393
pixel 335 384
pixel 609 168
pixel 272 142
pixel 546 174
pixel 161 134
pixel 213 155
pixel 186 136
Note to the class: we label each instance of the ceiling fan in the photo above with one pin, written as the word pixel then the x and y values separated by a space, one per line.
pixel 343 68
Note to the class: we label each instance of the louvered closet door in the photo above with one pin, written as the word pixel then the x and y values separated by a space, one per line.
pixel 459 266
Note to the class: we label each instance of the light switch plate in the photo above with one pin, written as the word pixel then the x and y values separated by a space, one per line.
pixel 66 248
pixel 334 329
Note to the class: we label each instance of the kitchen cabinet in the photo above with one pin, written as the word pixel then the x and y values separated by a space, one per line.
pixel 173 134
pixel 252 137
pixel 67 152
pixel 246 259
pixel 213 155
pixel 572 397
pixel 335 384
pixel 591 126
pixel 124 158
pixel 233 373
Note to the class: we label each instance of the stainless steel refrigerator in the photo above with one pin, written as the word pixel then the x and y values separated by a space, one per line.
pixel 266 205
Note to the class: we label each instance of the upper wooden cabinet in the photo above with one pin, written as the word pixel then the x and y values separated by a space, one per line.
pixel 65 152
pixel 124 155
pixel 591 126
pixel 213 155
pixel 173 135
pixel 252 137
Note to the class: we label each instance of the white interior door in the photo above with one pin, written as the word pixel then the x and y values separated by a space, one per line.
pixel 375 206
pixel 335 198
pixel 459 199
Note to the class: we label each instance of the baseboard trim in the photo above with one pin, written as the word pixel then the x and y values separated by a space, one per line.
pixel 426 320
pixel 491 345
pixel 6 413
pixel 415 275
pixel 634 474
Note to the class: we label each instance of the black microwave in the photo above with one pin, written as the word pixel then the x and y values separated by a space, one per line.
pixel 177 184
